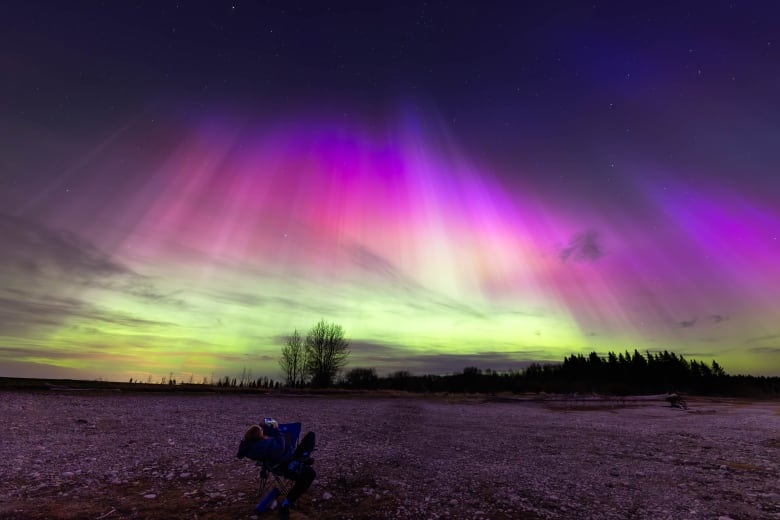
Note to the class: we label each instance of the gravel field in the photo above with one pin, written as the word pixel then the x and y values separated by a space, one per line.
pixel 112 455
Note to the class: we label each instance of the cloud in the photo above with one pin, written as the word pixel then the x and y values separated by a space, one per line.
pixel 36 249
pixel 87 353
pixel 35 254
pixel 137 286
pixel 46 270
pixel 370 261
pixel 764 350
pixel 391 358
pixel 42 370
pixel 29 311
pixel 238 297
pixel 712 318
pixel 583 247
pixel 254 300
pixel 412 293
pixel 687 355
pixel 336 295
pixel 23 311
pixel 758 339
pixel 246 357
pixel 25 308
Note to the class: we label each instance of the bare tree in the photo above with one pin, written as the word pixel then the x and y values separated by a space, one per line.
pixel 326 353
pixel 293 360
pixel 246 377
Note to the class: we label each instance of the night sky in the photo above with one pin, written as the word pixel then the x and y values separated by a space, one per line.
pixel 486 184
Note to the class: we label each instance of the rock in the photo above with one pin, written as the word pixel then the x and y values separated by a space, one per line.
pixel 150 496
pixel 326 496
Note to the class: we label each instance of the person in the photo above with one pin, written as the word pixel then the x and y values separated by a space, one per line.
pixel 269 446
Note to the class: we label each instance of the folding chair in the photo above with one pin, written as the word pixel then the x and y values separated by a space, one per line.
pixel 273 479
pixel 291 432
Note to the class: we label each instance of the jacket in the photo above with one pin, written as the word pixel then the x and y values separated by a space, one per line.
pixel 271 450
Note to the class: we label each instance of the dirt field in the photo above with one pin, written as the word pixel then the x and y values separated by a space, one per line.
pixel 116 455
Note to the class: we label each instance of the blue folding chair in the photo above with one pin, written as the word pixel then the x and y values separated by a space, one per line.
pixel 277 472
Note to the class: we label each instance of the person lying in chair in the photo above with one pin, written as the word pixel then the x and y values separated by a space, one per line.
pixel 269 446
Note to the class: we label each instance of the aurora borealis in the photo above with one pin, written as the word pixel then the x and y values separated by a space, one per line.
pixel 543 185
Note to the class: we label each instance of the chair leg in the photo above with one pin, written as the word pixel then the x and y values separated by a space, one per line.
pixel 263 483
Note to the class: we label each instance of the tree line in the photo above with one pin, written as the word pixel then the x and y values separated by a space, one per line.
pixel 318 359
pixel 615 374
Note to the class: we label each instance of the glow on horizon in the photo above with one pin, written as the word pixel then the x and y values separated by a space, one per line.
pixel 231 238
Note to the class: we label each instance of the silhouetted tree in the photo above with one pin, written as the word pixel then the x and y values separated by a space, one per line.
pixel 364 378
pixel 327 351
pixel 246 377
pixel 293 360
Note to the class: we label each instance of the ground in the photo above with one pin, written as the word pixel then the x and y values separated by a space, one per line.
pixel 121 455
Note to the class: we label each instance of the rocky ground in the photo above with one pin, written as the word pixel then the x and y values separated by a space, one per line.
pixel 114 455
